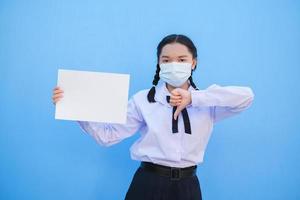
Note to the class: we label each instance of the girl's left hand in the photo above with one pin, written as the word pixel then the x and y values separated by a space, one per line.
pixel 180 98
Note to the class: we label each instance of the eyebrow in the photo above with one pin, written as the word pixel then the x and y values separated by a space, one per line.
pixel 178 56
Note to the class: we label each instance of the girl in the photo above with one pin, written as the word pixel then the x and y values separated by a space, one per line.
pixel 175 120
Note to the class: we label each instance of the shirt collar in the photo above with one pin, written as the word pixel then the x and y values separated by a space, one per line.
pixel 161 93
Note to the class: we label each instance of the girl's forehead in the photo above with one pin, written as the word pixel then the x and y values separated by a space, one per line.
pixel 175 50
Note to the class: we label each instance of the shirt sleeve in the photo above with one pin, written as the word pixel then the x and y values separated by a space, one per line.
pixel 107 134
pixel 224 101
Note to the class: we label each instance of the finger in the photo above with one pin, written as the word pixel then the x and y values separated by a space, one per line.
pixel 175 101
pixel 56 88
pixel 58 91
pixel 173 104
pixel 57 95
pixel 178 110
pixel 176 97
pixel 177 113
pixel 56 99
pixel 178 103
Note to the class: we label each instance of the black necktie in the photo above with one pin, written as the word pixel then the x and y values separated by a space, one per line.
pixel 186 120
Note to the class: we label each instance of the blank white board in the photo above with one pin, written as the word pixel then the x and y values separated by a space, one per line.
pixel 92 96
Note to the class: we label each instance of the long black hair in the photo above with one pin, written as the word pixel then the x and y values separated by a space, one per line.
pixel 173 38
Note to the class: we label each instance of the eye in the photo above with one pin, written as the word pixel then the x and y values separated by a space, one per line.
pixel 165 61
pixel 182 60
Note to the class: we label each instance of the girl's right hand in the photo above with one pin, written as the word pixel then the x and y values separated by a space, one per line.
pixel 57 94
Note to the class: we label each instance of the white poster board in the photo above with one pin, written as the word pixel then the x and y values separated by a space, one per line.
pixel 92 96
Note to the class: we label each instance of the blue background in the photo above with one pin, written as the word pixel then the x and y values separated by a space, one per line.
pixel 254 155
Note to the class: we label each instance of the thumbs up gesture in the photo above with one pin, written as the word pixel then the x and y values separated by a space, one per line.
pixel 180 98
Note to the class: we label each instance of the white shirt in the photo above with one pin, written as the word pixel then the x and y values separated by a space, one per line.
pixel 153 121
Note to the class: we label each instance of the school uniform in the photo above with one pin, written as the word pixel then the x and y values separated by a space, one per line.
pixel 170 150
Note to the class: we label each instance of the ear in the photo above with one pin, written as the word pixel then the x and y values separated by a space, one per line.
pixel 194 63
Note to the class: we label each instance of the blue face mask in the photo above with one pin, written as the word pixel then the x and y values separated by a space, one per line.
pixel 175 73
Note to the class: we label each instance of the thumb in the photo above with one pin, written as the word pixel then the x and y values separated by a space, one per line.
pixel 178 110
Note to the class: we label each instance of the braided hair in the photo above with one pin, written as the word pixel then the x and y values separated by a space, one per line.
pixel 173 38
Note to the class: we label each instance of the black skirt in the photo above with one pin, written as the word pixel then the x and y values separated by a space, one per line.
pixel 147 185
